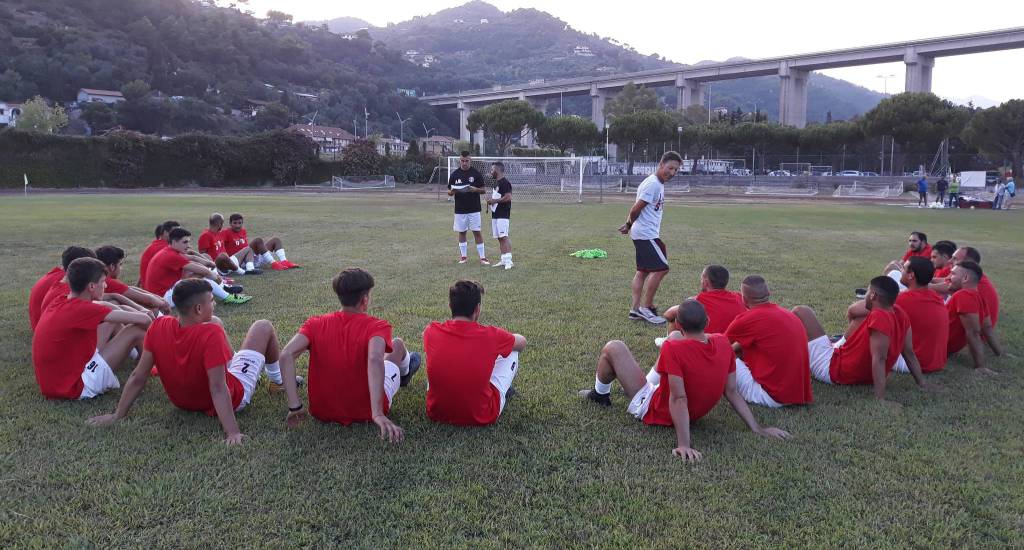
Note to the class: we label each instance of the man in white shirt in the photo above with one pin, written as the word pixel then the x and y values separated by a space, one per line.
pixel 643 225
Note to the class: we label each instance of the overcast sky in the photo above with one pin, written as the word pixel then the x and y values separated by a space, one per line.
pixel 757 29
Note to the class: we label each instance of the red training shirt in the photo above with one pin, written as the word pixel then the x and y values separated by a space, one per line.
pixel 115 287
pixel 338 378
pixel 963 301
pixel 925 253
pixel 928 319
pixel 212 243
pixel 704 368
pixel 38 292
pixel 461 356
pixel 147 255
pixel 165 270
pixel 851 363
pixel 183 355
pixel 234 241
pixel 990 296
pixel 774 346
pixel 58 290
pixel 943 272
pixel 64 341
pixel 722 306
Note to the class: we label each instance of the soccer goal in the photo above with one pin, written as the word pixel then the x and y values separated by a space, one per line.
pixel 796 168
pixel 549 179
pixel 868 190
pixel 353 183
pixel 787 189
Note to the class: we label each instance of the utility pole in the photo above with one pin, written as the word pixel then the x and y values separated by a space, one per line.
pixel 366 123
pixel 401 126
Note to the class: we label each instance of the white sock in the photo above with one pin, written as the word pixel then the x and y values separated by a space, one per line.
pixel 403 367
pixel 480 250
pixel 218 291
pixel 507 258
pixel 249 266
pixel 463 247
pixel 274 372
pixel 267 257
pixel 653 377
pixel 280 254
pixel 602 388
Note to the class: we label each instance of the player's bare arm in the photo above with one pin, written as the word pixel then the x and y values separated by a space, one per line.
pixel 296 347
pixel 389 431
pixel 132 388
pixel 879 344
pixel 739 405
pixel 677 408
pixel 221 398
pixel 631 217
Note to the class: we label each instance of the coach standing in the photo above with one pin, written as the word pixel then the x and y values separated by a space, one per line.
pixel 643 225
pixel 466 184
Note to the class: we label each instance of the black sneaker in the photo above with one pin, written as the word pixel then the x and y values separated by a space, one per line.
pixel 654 310
pixel 635 315
pixel 603 399
pixel 254 271
pixel 414 367
pixel 233 289
pixel 510 393
pixel 860 293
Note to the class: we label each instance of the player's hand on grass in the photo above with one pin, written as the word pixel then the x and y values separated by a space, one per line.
pixel 985 371
pixel 389 431
pixel 295 418
pixel 688 454
pixel 932 387
pixel 624 229
pixel 102 420
pixel 892 406
pixel 773 433
pixel 234 439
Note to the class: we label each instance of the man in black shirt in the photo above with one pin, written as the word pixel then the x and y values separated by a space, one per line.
pixel 466 184
pixel 500 204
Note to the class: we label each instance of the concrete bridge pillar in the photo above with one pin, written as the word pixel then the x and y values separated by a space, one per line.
pixel 464 112
pixel 792 96
pixel 688 93
pixel 919 71
pixel 597 101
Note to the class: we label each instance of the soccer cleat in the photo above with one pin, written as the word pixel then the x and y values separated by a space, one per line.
pixel 233 289
pixel 237 299
pixel 462 259
pixel 223 272
pixel 659 341
pixel 860 293
pixel 274 387
pixel 153 372
pixel 603 399
pixel 508 265
pixel 254 271
pixel 499 263
pixel 414 367
pixel 290 265
pixel 635 315
pixel 227 280
pixel 511 393
pixel 485 261
pixel 278 266
pixel 651 317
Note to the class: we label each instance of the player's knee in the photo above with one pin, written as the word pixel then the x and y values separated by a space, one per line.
pixel 396 341
pixel 803 312
pixel 613 347
pixel 216 320
pixel 262 327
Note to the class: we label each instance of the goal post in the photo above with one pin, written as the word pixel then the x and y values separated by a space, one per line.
pixel 353 183
pixel 549 179
pixel 863 190
pixel 796 168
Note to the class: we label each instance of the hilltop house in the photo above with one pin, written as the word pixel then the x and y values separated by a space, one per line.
pixel 9 113
pixel 329 139
pixel 92 95
pixel 436 145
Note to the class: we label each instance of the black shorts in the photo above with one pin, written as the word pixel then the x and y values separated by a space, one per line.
pixel 651 255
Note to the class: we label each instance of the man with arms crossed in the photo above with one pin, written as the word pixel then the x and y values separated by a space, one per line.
pixel 643 225
pixel 79 339
pixel 868 352
pixel 694 371
pixel 772 365
pixel 355 366
pixel 969 317
pixel 466 184
pixel 470 367
pixel 927 314
pixel 198 369
pixel 500 205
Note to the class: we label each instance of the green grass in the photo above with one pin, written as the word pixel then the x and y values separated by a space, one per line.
pixel 945 471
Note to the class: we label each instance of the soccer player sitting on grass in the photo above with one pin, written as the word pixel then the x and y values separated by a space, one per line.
pixel 968 317
pixel 113 258
pixel 198 369
pixel 927 314
pixel 466 184
pixel 942 258
pixel 694 371
pixel 355 366
pixel 52 277
pixel 256 254
pixel 158 243
pixel 500 205
pixel 211 244
pixel 871 346
pixel 171 265
pixel 721 305
pixel 79 339
pixel 470 367
pixel 772 365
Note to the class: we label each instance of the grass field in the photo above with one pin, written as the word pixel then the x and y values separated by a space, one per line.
pixel 946 470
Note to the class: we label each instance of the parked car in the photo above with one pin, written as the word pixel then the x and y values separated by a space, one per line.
pixel 740 172
pixel 780 173
pixel 850 173
pixel 870 174
pixel 992 178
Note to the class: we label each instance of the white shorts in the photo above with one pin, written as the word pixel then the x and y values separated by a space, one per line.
pixel 505 369
pixel 467 222
pixel 901 365
pixel 168 296
pixel 259 261
pixel 97 377
pixel 499 227
pixel 641 401
pixel 246 366
pixel 821 350
pixel 751 391
pixel 392 380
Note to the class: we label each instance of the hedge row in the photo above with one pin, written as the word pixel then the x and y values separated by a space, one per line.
pixel 128 159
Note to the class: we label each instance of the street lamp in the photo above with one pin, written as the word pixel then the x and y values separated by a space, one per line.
pixel 885 82
pixel 679 138
pixel 401 126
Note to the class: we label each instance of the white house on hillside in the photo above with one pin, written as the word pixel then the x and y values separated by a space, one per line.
pixel 91 95
pixel 330 139
pixel 9 113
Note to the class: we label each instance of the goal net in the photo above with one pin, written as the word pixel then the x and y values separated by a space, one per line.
pixel 351 183
pixel 787 189
pixel 822 170
pixel 868 190
pixel 549 179
pixel 796 168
